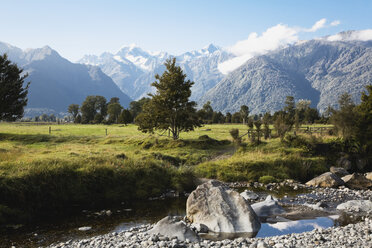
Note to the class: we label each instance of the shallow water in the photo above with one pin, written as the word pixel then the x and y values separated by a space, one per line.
pixel 124 217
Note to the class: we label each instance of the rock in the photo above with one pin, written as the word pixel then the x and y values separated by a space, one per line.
pixel 356 206
pixel 357 181
pixel 174 227
pixel 249 195
pixel 221 209
pixel 327 179
pixel 368 175
pixel 85 228
pixel 268 207
pixel 339 171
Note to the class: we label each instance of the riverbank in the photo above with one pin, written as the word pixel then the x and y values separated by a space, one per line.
pixel 355 234
pixel 352 235
pixel 76 167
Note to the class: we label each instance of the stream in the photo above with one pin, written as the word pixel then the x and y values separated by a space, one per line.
pixel 128 215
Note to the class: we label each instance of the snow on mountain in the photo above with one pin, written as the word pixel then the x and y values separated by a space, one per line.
pixel 133 69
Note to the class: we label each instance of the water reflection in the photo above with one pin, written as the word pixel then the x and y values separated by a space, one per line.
pixel 297 226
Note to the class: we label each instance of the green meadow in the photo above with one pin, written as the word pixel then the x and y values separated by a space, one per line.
pixel 79 166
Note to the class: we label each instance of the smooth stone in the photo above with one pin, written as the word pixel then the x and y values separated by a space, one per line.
pixel 268 207
pixel 357 181
pixel 326 180
pixel 85 228
pixel 356 205
pixel 368 175
pixel 221 209
pixel 173 227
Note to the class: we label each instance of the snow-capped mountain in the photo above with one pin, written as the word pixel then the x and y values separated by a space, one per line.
pixel 56 82
pixel 134 69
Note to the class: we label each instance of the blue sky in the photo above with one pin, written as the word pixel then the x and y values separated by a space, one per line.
pixel 79 27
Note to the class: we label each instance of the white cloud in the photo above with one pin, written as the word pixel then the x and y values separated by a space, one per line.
pixel 318 25
pixel 362 35
pixel 273 38
pixel 335 23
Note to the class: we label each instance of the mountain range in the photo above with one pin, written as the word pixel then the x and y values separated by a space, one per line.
pixel 134 69
pixel 56 82
pixel 319 70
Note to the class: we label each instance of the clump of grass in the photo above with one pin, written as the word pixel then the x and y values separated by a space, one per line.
pixel 267 179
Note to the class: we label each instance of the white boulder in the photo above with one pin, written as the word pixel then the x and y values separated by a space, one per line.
pixel 356 206
pixel 174 227
pixel 268 207
pixel 221 209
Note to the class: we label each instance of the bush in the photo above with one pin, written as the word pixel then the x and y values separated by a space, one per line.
pixel 235 135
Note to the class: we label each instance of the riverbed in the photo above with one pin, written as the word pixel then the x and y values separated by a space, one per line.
pixel 125 216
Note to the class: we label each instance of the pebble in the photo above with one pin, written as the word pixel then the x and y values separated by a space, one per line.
pixel 352 235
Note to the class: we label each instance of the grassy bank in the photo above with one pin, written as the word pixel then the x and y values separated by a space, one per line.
pixel 79 166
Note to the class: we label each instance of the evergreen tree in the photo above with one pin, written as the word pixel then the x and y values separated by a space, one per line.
pixel 13 90
pixel 363 126
pixel 344 118
pixel 169 108
pixel 228 117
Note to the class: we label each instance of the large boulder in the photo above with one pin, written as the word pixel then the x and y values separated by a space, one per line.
pixel 221 209
pixel 326 180
pixel 356 206
pixel 174 227
pixel 339 171
pixel 268 207
pixel 357 181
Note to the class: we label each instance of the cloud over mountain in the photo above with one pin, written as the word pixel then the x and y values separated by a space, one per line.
pixel 273 38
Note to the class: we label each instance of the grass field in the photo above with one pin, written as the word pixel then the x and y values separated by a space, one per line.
pixel 80 165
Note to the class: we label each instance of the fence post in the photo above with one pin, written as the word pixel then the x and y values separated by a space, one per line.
pixel 106 131
pixel 50 130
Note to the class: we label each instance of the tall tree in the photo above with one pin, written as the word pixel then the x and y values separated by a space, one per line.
pixel 228 117
pixel 73 109
pixel 344 118
pixel 135 107
pixel 169 108
pixel 125 117
pixel 244 113
pixel 114 110
pixel 363 127
pixel 93 109
pixel 13 90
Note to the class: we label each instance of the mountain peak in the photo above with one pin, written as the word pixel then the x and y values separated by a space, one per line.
pixel 211 48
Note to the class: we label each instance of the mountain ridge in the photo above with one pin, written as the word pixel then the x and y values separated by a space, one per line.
pixel 318 70
pixel 56 82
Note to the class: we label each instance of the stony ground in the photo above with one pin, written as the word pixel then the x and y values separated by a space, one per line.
pixel 352 235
